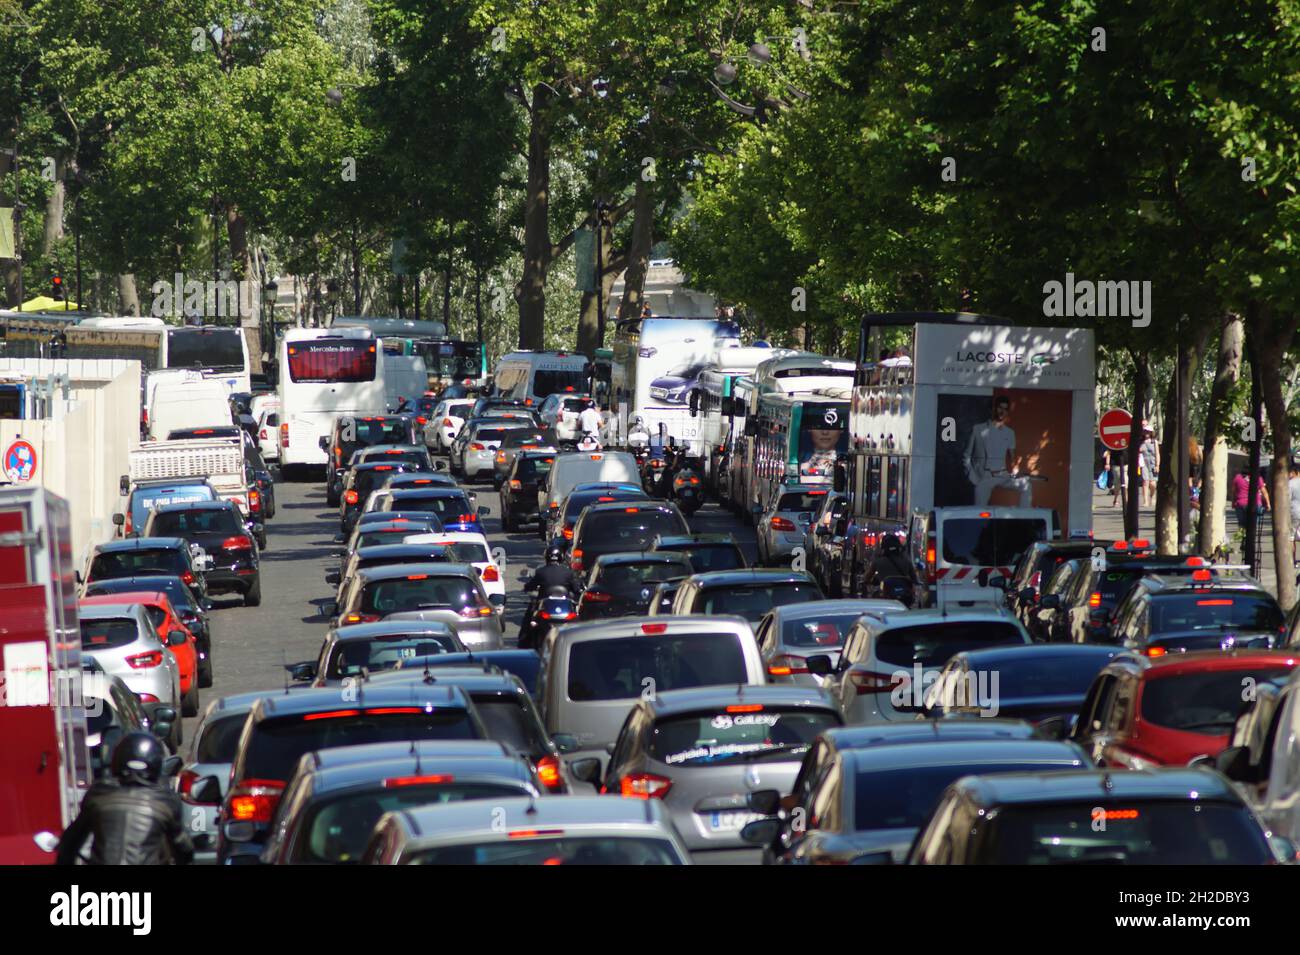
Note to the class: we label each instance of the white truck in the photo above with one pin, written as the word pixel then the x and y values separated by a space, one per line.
pixel 179 400
pixel 219 460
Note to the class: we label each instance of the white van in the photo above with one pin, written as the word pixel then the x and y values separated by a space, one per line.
pixel 405 377
pixel 177 403
pixel 586 467
pixel 533 376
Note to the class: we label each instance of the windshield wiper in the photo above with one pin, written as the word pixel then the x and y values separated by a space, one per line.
pixel 1207 723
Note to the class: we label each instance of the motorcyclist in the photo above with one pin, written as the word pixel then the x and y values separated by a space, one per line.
pixel 133 819
pixel 553 573
pixel 638 436
pixel 672 460
pixel 890 561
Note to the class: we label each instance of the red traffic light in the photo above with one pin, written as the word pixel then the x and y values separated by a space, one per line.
pixel 57 283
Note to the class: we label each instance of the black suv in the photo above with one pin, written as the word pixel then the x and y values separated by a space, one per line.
pixel 146 557
pixel 705 551
pixel 1177 614
pixel 351 432
pixel 618 526
pixel 519 489
pixel 622 585
pixel 216 527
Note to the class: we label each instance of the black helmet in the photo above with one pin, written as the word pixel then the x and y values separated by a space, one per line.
pixel 554 554
pixel 138 758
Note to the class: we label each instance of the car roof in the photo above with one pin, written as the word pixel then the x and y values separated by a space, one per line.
pixel 674 702
pixel 1171 783
pixel 903 618
pixel 422 493
pixel 385 628
pixel 967 751
pixel 425 748
pixel 689 540
pixel 472 678
pixel 618 507
pixel 993 656
pixel 109 610
pixel 468 819
pixel 751 575
pixel 640 557
pixel 915 731
pixel 404 447
pixel 194 506
pixel 619 627
pixel 819 608
pixel 142 543
pixel 236 704
pixel 316 700
pixel 146 582
pixel 406 570
pixel 124 597
pixel 1159 584
pixel 398 550
pixel 457 537
pixel 1202 661
pixel 345 776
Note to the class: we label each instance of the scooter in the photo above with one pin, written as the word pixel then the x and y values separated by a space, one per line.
pixel 552 608
pixel 688 489
pixel 652 470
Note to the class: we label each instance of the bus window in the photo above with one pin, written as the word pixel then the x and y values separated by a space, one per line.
pixel 328 362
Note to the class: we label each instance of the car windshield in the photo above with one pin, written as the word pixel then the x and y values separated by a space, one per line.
pixel 736 734
pixel 220 739
pixel 751 601
pixel 134 563
pixel 208 520
pixel 617 669
pixel 569 850
pixel 508 721
pixel 931 645
pixel 1146 833
pixel 450 508
pixel 531 469
pixel 706 557
pixel 989 542
pixel 383 653
pixel 370 431
pixel 1206 702
pixel 523 438
pixel 823 631
pixel 338 829
pixel 903 798
pixel 372 536
pixel 1224 610
pixel 418 592
pixel 630 577
pixel 144 500
pixel 108 634
pixel 491 435
pixel 548 382
pixel 277 744
pixel 804 502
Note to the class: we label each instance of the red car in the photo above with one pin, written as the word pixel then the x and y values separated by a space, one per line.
pixel 1142 712
pixel 165 620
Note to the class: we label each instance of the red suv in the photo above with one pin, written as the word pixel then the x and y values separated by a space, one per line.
pixel 166 621
pixel 1142 712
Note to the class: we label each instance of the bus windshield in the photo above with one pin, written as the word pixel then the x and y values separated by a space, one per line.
pixel 332 362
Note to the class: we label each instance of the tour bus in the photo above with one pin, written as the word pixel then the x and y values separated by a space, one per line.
pixel 796 439
pixel 533 376
pixel 711 403
pixel 324 373
pixel 657 364
pixel 976 419
pixel 219 352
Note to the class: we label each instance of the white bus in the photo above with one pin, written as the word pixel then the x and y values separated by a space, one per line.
pixel 534 376
pixel 712 404
pixel 324 373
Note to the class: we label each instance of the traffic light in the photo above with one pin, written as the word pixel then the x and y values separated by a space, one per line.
pixel 57 290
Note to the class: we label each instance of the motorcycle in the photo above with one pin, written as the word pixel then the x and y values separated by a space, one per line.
pixel 688 489
pixel 552 608
pixel 652 469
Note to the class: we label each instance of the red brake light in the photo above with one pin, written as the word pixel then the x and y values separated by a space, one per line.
pixel 597 457
pixel 644 786
pixel 1141 542
pixel 986 514
pixel 491 574
pixel 144 661
pixel 262 434
pixel 603 500
pixel 254 800
pixel 1201 575
pixel 188 577
pixel 476 446
pixel 351 497
pixel 361 618
pixel 1094 599
pixel 631 510
pixel 331 714
pixel 446 423
pixel 422 420
pixel 782 524
pixel 237 543
pixel 515 485
pixel 1195 562
pixel 1156 651
pixel 575 559
pixel 653 629
pixel 284 435
pixel 745 708
pixel 530 833
pixel 417 576
pixel 1214 603
pixel 548 771
pixel 436 780
pixel 595 596
pixel 1119 545
pixel 568 532
pixel 1120 813
pixel 785 664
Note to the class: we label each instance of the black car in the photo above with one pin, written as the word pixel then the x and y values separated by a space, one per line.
pixel 260 480
pixel 369 648
pixel 415 457
pixel 661 601
pixel 705 551
pixel 622 585
pixel 560 524
pixel 456 508
pixel 525 664
pixel 746 593
pixel 382 555
pixel 1035 568
pixel 193 614
pixel 360 481
pixel 148 557
pixel 519 490
pixel 1178 614
pixel 216 527
pixel 517 442
pixel 351 432
pixel 1043 615
pixel 824 542
pixel 611 528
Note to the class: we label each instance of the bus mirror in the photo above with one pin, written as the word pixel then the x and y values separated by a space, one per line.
pixel 751 427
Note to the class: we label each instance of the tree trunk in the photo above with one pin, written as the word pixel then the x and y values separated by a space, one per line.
pixel 130 299
pixel 1275 335
pixel 638 253
pixel 1141 394
pixel 1214 472
pixel 530 293
pixel 1194 334
pixel 53 230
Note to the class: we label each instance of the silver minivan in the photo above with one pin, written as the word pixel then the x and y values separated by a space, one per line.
pixel 585 467
pixel 593 673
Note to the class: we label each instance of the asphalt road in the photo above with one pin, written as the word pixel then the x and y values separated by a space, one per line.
pixel 251 645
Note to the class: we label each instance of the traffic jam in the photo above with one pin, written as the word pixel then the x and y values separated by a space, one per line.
pixel 695 600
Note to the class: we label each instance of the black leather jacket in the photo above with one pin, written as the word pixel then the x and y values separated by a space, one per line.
pixel 552 575
pixel 132 825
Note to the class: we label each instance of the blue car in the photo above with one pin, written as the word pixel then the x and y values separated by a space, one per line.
pixel 675 387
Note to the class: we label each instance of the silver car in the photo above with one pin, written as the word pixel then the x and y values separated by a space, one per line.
pixel 783 526
pixel 474 453
pixel 702 751
pixel 593 673
pixel 122 639
pixel 211 752
pixel 788 635
pixel 450 593
pixel 575 830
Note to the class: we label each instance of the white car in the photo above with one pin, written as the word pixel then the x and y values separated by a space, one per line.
pixel 468 547
pixel 268 433
pixel 445 423
pixel 560 413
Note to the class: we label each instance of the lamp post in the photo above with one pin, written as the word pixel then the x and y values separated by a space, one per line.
pixel 270 293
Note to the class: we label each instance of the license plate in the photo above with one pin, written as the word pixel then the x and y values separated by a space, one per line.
pixel 729 821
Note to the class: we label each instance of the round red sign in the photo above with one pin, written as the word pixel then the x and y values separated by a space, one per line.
pixel 1114 428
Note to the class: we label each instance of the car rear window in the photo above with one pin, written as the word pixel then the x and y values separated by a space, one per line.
pixel 1137 833
pixel 137 563
pixel 706 557
pixel 630 529
pixel 617 669
pixel 824 630
pixel 396 431
pixel 108 634
pixel 1222 611
pixel 413 459
pixel 581 499
pixel 418 592
pixel 931 645
pixel 989 542
pixel 339 829
pixel 804 501
pixel 903 798
pixel 383 653
pixel 1205 702
pixel 220 739
pixel 491 434
pixel 508 721
pixel 1032 675
pixel 531 468
pixel 391 535
pixel 737 734
pixel 207 520
pixel 277 744
pixel 523 437
pixel 621 578
pixel 752 601
pixel 448 507
pixel 466 552
pixel 570 850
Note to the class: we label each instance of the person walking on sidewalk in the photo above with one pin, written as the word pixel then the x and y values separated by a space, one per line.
pixel 1241 496
pixel 1149 463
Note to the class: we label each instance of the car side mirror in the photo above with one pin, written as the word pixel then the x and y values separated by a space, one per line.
pixel 819 664
pixel 1054 727
pixel 324 443
pixel 586 770
pixel 206 791
pixel 332 577
pixel 1050 602
pixel 119 520
pixel 565 742
pixel 766 801
pixel 159 712
pixel 177 638
pixel 302 672
pixel 162 729
pixel 1234 762
pixel 1027 594
pixel 761 832
pixel 998 582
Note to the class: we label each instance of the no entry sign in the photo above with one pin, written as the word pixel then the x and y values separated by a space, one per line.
pixel 1114 428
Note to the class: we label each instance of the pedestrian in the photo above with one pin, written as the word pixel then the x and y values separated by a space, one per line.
pixel 1114 460
pixel 1241 496
pixel 1149 463
pixel 1293 485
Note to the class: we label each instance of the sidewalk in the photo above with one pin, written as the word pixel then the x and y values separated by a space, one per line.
pixel 1108 523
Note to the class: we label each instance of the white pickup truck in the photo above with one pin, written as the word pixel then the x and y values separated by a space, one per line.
pixel 219 460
